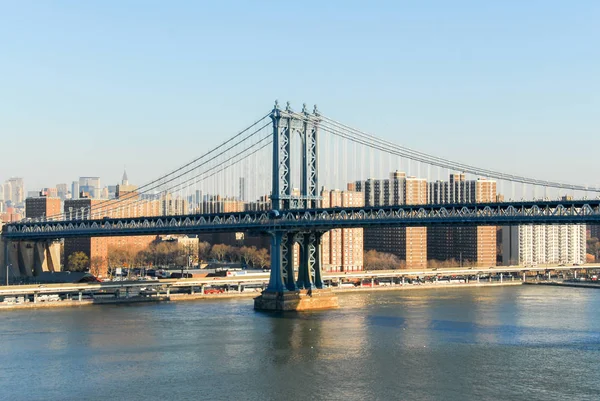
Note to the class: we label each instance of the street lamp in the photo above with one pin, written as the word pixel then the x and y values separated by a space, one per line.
pixel 7 267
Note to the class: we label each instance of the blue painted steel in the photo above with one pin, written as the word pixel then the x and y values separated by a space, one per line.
pixel 305 220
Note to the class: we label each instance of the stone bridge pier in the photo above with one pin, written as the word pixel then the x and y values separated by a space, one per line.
pixel 294 287
pixel 22 259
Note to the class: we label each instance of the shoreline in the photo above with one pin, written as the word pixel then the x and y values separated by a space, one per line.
pixel 246 294
pixel 566 284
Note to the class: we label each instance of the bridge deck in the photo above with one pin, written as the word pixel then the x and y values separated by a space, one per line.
pixel 509 213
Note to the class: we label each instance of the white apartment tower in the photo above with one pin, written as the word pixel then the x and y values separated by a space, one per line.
pixel 544 244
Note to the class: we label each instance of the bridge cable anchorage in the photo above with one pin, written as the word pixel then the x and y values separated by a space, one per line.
pixel 166 178
pixel 352 134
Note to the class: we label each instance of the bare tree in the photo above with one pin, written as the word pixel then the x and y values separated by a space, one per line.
pixel 96 265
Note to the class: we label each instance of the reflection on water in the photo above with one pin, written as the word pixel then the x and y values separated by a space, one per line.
pixel 517 343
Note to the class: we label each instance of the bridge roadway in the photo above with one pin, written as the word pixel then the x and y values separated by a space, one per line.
pixel 164 286
pixel 506 213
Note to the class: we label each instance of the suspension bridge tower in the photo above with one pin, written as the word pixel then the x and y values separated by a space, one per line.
pixel 286 290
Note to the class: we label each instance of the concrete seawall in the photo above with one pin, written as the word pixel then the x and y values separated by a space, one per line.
pixel 177 297
pixel 85 302
pixel 567 284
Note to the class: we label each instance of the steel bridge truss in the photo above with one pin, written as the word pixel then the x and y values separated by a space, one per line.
pixel 309 220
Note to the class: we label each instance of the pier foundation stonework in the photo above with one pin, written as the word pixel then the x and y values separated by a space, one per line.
pixel 300 300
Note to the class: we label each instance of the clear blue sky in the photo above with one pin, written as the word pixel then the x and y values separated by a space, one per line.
pixel 89 86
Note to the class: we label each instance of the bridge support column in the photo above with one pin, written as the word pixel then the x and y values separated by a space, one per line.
pixel 501 277
pixel 307 256
pixel 80 296
pixel 524 276
pixel 282 263
pixel 478 278
pixel 282 293
pixel 202 289
pixel 309 271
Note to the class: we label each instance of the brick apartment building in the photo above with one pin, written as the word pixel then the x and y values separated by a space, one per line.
pixel 408 243
pixel 473 245
pixel 342 248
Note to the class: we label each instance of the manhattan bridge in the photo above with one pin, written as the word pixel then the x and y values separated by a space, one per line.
pixel 279 162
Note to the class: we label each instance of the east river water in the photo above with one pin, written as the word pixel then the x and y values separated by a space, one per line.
pixel 508 343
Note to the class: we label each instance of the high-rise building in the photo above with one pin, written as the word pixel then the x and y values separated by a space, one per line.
pixel 11 215
pixel 464 245
pixel 173 205
pixel 49 192
pixel 95 248
pixel 595 231
pixel 75 190
pixel 62 191
pixel 124 190
pixel 242 194
pixel 408 243
pixel 90 185
pixel 14 190
pixel 42 207
pixel 342 248
pixel 543 244
pixel 218 204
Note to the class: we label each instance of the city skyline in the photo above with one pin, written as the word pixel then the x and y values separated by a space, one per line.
pixel 446 79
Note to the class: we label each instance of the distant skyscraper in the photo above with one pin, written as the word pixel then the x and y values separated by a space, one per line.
pixel 14 190
pixel 62 191
pixel 91 185
pixel 125 190
pixel 242 194
pixel 75 190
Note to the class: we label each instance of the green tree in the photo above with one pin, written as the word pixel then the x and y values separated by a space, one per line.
pixel 78 262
